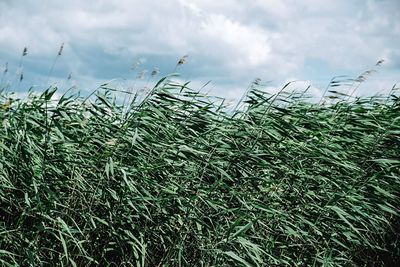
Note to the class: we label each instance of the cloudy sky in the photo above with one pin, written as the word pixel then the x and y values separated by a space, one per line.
pixel 228 42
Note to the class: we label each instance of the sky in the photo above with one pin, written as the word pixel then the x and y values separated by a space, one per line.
pixel 227 42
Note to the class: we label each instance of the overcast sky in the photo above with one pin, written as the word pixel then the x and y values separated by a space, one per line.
pixel 227 42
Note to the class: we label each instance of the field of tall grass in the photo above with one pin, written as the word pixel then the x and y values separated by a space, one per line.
pixel 177 178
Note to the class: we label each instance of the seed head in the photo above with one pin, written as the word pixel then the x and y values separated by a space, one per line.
pixel 182 60
pixel 155 72
pixel 136 64
pixel 61 49
pixel 141 74
pixel 257 81
pixel 379 62
pixel 25 51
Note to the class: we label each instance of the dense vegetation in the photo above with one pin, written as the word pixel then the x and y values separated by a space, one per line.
pixel 178 179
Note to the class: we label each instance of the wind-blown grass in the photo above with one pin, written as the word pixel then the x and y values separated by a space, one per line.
pixel 177 180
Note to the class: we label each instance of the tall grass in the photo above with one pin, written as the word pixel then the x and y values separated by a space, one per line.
pixel 178 180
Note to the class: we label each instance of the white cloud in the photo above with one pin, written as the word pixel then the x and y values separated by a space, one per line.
pixel 240 45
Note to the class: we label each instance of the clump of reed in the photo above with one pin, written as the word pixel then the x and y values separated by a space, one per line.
pixel 179 179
